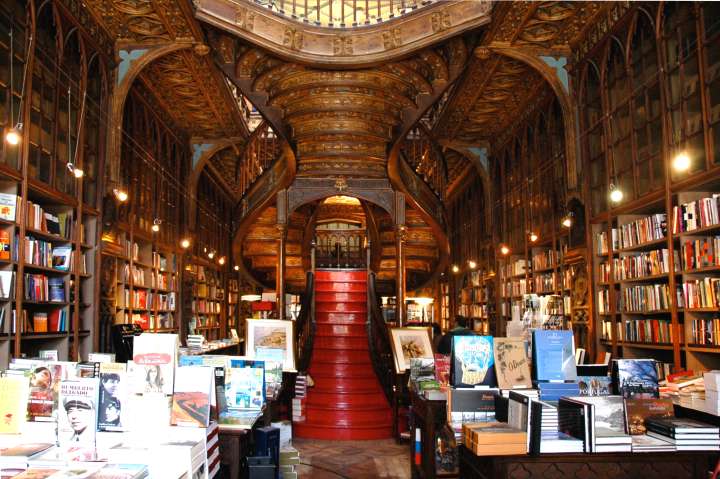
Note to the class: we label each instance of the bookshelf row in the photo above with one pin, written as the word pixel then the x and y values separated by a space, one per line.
pixel 656 268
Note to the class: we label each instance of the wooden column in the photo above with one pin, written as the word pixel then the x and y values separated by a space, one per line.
pixel 400 232
pixel 280 271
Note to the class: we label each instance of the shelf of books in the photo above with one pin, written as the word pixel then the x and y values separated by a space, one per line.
pixel 445 305
pixel 233 308
pixel 47 243
pixel 638 260
pixel 514 279
pixel 208 301
pixel 147 285
pixel 476 300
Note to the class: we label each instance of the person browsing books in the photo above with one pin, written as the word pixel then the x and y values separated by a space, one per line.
pixel 460 329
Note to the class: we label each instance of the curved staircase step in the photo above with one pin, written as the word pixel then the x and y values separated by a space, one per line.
pixel 341 433
pixel 338 356
pixel 340 296
pixel 347 400
pixel 342 343
pixel 341 308
pixel 326 286
pixel 347 330
pixel 346 383
pixel 341 276
pixel 340 318
pixel 319 369
pixel 349 416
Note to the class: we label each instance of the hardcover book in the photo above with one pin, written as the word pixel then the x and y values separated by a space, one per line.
pixel 554 355
pixel 191 398
pixel 635 378
pixel 14 391
pixel 155 357
pixel 609 412
pixel 113 396
pixel 77 411
pixel 472 363
pixel 246 384
pixel 8 206
pixel 442 369
pixel 595 385
pixel 61 258
pixel 637 411
pixel 511 363
pixel 574 419
pixel 672 426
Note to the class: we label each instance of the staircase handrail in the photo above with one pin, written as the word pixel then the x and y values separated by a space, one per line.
pixel 381 353
pixel 305 324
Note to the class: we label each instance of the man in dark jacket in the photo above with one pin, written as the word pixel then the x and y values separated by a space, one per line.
pixel 460 329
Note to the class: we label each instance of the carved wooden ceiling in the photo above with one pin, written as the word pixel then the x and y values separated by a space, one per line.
pixel 186 83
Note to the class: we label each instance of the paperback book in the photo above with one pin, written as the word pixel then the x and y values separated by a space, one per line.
pixel 511 363
pixel 14 391
pixel 155 357
pixel 191 398
pixel 473 361
pixel 246 384
pixel 554 355
pixel 113 396
pixel 77 411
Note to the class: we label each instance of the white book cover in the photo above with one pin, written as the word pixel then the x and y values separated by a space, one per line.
pixel 77 411
pixel 155 357
pixel 8 206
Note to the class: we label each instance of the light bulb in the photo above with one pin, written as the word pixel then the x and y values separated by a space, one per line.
pixel 533 237
pixel 211 254
pixel 504 250
pixel 222 260
pixel 567 221
pixel 120 194
pixel 472 264
pixel 185 243
pixel 78 173
pixel 616 194
pixel 455 268
pixel 155 227
pixel 236 268
pixel 13 136
pixel 681 162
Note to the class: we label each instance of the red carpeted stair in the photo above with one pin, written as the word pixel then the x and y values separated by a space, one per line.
pixel 347 401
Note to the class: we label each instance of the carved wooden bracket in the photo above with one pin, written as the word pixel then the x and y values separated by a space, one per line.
pixel 337 47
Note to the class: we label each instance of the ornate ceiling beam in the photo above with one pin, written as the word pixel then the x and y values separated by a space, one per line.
pixel 329 47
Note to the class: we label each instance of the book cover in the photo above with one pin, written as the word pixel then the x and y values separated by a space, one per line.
pixel 155 357
pixel 61 258
pixel 44 386
pixel 7 284
pixel 637 411
pixel 77 411
pixel 595 385
pixel 113 396
pixel 8 206
pixel 609 412
pixel 635 378
pixel 36 473
pixel 56 289
pixel 511 363
pixel 246 381
pixel 574 420
pixel 473 361
pixel 442 369
pixel 4 245
pixel 670 426
pixel 554 355
pixel 191 398
pixel 14 391
pixel 121 471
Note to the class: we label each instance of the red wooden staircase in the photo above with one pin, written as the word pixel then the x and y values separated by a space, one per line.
pixel 347 401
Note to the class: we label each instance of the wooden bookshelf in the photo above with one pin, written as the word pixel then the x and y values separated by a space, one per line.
pixel 208 302
pixel 476 301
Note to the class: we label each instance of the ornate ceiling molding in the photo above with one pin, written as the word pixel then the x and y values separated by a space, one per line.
pixel 345 47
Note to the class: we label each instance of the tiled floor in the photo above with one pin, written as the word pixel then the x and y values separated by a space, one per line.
pixel 352 459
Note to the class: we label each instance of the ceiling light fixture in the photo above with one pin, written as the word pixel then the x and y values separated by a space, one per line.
pixel 616 194
pixel 504 250
pixel 455 268
pixel 185 243
pixel 120 194
pixel 472 264
pixel 77 172
pixel 211 254
pixel 236 268
pixel 221 260
pixel 533 237
pixel 567 220
pixel 13 136
pixel 156 225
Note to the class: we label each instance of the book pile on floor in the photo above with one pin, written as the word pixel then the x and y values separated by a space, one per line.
pixel 289 458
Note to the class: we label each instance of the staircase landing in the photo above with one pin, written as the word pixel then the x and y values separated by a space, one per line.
pixel 347 401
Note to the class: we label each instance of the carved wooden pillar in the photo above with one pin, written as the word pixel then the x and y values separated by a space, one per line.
pixel 400 232
pixel 280 271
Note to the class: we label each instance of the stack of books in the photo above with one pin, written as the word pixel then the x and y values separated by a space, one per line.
pixel 685 434
pixel 494 439
pixel 289 458
pixel 544 435
pixel 195 341
pixel 553 391
pixel 298 402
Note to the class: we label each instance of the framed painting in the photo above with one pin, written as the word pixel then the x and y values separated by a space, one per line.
pixel 410 342
pixel 271 333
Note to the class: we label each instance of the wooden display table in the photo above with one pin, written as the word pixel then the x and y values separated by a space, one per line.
pixel 428 416
pixel 661 465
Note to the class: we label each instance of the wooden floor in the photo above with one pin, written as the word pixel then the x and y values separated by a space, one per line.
pixel 352 459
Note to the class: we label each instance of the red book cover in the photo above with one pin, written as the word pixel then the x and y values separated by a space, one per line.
pixel 54 320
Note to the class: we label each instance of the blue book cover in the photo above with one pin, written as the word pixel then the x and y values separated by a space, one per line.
pixel 595 385
pixel 56 289
pixel 473 361
pixel 635 378
pixel 245 387
pixel 554 355
pixel 191 361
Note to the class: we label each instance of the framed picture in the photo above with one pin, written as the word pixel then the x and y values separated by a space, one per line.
pixel 271 333
pixel 408 343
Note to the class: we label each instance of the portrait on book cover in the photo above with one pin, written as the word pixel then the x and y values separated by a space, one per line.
pixel 262 334
pixel 410 343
